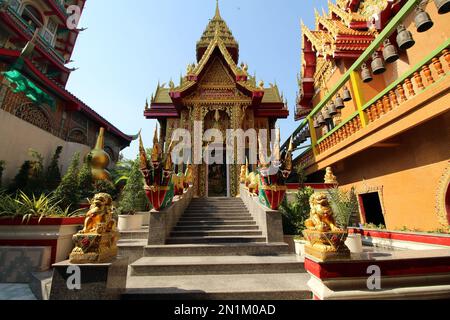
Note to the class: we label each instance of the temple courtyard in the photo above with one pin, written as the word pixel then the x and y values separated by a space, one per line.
pixel 233 195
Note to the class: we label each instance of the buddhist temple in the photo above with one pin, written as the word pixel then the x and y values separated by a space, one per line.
pixel 373 106
pixel 36 109
pixel 221 93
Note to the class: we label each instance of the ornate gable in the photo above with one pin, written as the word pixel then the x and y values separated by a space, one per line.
pixel 217 75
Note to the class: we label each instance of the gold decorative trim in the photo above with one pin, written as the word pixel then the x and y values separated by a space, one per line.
pixel 441 192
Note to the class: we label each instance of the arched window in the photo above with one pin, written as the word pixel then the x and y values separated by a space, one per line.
pixel 77 136
pixel 111 153
pixel 32 16
pixel 34 115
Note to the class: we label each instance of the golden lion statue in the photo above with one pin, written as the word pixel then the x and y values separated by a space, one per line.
pixel 321 216
pixel 99 214
pixel 97 242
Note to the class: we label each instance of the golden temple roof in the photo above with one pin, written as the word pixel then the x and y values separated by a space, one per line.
pixel 216 25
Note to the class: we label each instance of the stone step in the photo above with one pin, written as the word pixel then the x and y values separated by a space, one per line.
pixel 277 286
pixel 214 265
pixel 214 210
pixel 215 222
pixel 215 218
pixel 134 234
pixel 210 227
pixel 229 249
pixel 211 239
pixel 202 233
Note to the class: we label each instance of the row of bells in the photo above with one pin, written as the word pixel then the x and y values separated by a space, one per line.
pixel 333 108
pixel 404 39
pixel 301 137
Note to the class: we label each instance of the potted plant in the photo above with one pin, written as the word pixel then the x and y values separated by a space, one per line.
pixel 345 205
pixel 38 221
pixel 133 201
pixel 295 214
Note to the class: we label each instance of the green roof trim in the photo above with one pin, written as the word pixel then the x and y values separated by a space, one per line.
pixel 32 91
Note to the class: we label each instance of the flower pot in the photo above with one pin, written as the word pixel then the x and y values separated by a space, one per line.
pixel 129 222
pixel 354 243
pixel 300 247
pixel 55 233
pixel 145 218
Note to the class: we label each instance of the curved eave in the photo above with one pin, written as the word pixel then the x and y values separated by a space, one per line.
pixel 73 103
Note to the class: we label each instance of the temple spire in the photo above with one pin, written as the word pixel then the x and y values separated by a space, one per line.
pixel 217 15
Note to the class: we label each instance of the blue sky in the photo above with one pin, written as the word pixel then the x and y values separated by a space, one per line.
pixel 130 45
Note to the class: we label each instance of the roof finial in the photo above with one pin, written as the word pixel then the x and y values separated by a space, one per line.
pixel 217 15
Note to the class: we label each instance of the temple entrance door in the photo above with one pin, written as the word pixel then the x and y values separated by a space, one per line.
pixel 217 177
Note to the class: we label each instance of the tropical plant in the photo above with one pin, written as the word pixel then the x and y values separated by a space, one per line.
pixel 53 175
pixel 133 197
pixel 44 206
pixel 295 213
pixel 122 170
pixel 8 206
pixel 67 191
pixel 344 205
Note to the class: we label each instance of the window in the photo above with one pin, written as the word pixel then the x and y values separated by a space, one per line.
pixel 372 209
pixel 15 4
pixel 49 32
pixel 32 17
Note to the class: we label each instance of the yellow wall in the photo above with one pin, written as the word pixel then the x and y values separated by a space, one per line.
pixel 407 174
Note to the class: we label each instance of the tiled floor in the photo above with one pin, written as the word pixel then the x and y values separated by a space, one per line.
pixel 15 291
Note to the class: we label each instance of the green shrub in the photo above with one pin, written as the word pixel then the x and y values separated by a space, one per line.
pixel 85 182
pixel 344 205
pixel 20 181
pixel 67 191
pixel 2 168
pixel 105 186
pixel 133 196
pixel 295 213
pixel 53 175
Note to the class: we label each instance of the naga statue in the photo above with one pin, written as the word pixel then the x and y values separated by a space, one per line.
pixel 178 181
pixel 97 242
pixel 157 173
pixel 326 239
pixel 273 175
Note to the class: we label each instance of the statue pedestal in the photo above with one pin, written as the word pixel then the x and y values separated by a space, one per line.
pixel 326 245
pixel 97 281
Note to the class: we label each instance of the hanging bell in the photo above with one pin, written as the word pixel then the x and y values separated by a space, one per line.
pixel 307 134
pixel 316 123
pixel 303 137
pixel 377 64
pixel 422 20
pixel 332 109
pixel 321 119
pixel 390 53
pixel 404 38
pixel 326 114
pixel 443 6
pixel 366 76
pixel 346 95
pixel 339 102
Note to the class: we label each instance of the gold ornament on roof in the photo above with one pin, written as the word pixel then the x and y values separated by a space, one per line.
pixel 330 178
pixel 99 159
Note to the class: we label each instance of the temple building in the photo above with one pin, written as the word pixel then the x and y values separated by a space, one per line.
pixel 36 111
pixel 220 92
pixel 374 105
